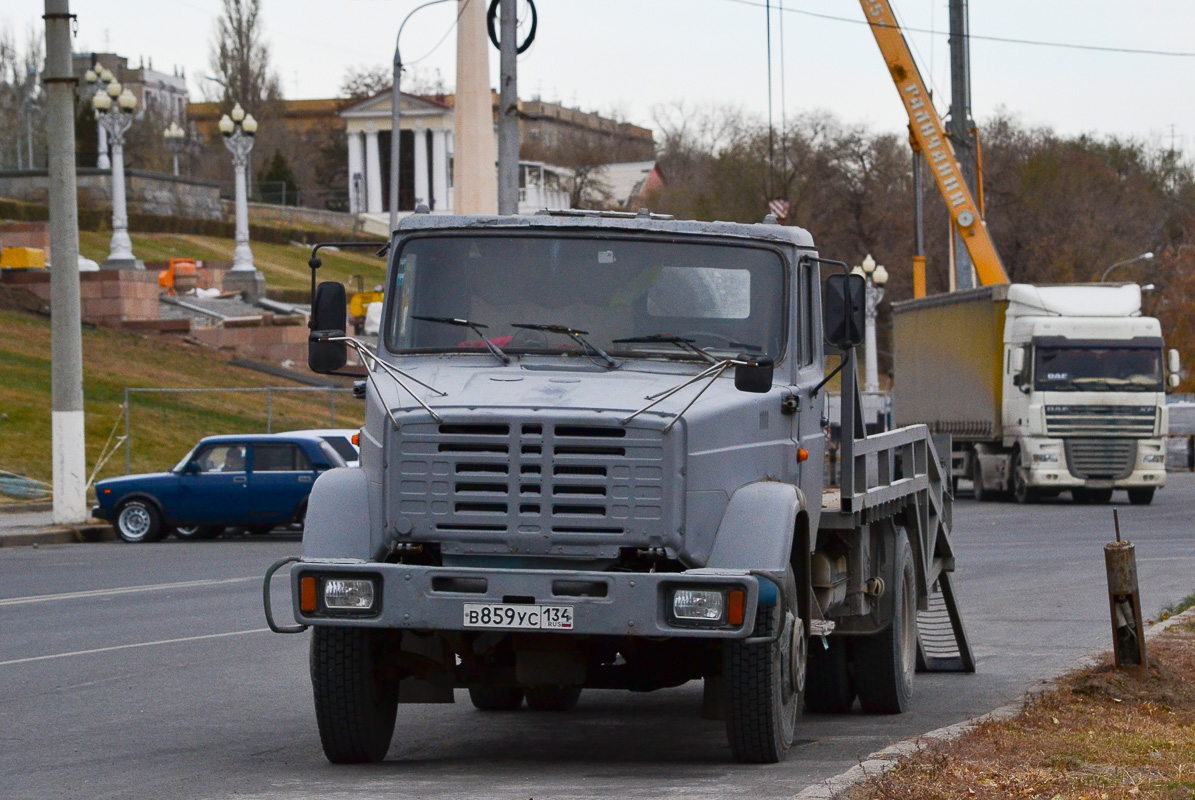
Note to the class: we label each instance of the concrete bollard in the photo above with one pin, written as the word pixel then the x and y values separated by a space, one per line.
pixel 1124 600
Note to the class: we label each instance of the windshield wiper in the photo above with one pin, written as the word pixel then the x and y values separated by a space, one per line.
pixel 669 338
pixel 475 327
pixel 573 333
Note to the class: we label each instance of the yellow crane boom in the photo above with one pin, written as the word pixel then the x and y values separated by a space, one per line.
pixel 929 135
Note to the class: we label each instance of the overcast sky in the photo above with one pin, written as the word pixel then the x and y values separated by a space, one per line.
pixel 637 55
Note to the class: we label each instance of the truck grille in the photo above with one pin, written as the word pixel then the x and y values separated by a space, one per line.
pixel 1112 421
pixel 1101 458
pixel 537 487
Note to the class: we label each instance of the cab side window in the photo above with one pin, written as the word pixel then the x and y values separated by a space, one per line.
pixel 279 458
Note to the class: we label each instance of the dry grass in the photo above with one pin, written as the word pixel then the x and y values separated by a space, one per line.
pixel 1101 735
pixel 164 427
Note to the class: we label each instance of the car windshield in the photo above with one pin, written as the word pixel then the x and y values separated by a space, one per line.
pixel 725 298
pixel 1089 369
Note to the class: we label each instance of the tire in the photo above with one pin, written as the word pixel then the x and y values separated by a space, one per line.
pixel 1141 497
pixel 259 530
pixel 981 494
pixel 829 685
pixel 552 698
pixel 1021 491
pixel 354 708
pixel 497 698
pixel 885 662
pixel 138 521
pixel 765 683
pixel 189 533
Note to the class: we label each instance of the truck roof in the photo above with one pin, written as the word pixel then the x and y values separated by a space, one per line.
pixel 767 231
pixel 1060 300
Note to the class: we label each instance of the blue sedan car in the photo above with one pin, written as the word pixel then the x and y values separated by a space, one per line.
pixel 255 482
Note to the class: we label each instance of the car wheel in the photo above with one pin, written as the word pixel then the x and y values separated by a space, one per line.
pixel 829 684
pixel 138 521
pixel 196 532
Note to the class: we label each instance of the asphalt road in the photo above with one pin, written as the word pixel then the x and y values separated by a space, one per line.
pixel 145 672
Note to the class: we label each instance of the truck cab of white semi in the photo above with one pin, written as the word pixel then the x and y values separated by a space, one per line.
pixel 1084 392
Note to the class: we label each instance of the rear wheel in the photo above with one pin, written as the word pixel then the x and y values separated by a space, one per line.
pixel 355 706
pixel 765 682
pixel 553 698
pixel 138 521
pixel 829 685
pixel 1141 497
pixel 884 662
pixel 496 698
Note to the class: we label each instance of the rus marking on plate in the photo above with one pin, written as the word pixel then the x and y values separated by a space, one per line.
pixel 506 615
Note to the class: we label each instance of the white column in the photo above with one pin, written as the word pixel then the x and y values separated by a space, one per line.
pixel 102 162
pixel 440 170
pixel 373 174
pixel 421 183
pixel 121 248
pixel 356 167
pixel 242 255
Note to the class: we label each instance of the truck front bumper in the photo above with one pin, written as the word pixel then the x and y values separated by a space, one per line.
pixel 602 603
pixel 1052 478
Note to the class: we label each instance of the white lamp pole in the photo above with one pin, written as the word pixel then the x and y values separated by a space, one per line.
pixel 239 129
pixel 174 135
pixel 876 276
pixel 114 111
pixel 100 77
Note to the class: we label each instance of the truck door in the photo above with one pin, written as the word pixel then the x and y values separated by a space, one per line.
pixel 807 431
pixel 280 479
pixel 213 490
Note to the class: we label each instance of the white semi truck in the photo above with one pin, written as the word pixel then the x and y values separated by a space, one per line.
pixel 1044 389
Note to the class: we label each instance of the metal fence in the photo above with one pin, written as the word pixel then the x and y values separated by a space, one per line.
pixel 268 391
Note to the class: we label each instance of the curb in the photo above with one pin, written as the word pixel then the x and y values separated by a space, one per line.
pixel 78 534
pixel 885 760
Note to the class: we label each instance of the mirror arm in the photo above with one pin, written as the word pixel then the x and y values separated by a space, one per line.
pixel 828 378
pixel 315 262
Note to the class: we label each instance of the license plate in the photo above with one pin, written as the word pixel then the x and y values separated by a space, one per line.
pixel 508 615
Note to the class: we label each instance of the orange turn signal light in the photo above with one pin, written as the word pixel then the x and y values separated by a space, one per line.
pixel 356 440
pixel 107 491
pixel 307 594
pixel 802 454
pixel 734 608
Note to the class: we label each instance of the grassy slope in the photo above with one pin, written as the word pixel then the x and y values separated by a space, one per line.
pixel 284 265
pixel 163 427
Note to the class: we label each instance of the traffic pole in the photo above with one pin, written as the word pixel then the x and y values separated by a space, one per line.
pixel 1124 601
pixel 66 333
pixel 508 111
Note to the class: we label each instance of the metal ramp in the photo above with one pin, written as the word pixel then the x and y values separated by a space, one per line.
pixel 942 644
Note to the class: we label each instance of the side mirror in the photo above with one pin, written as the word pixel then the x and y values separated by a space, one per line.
pixel 328 319
pixel 754 376
pixel 192 468
pixel 1016 361
pixel 1172 362
pixel 844 310
pixel 1174 380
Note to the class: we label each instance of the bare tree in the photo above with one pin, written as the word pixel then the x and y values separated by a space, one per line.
pixel 240 58
pixel 22 138
pixel 367 81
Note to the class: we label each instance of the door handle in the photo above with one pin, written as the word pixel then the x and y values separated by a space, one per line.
pixel 304 479
pixel 239 479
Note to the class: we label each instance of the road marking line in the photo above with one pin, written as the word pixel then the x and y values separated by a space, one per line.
pixel 156 587
pixel 130 646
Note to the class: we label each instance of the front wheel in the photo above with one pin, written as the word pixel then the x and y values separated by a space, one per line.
pixel 138 521
pixel 355 706
pixel 1022 492
pixel 978 492
pixel 765 683
pixel 884 662
pixel 1141 497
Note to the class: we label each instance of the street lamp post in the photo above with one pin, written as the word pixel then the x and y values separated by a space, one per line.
pixel 101 78
pixel 239 130
pixel 396 115
pixel 114 111
pixel 876 276
pixel 1134 260
pixel 174 136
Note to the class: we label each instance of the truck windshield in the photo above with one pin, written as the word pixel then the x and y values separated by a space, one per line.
pixel 1090 369
pixel 725 298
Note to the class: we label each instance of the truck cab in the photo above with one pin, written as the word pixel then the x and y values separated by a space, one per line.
pixel 592 457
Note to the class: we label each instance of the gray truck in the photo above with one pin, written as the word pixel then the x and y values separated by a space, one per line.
pixel 593 457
